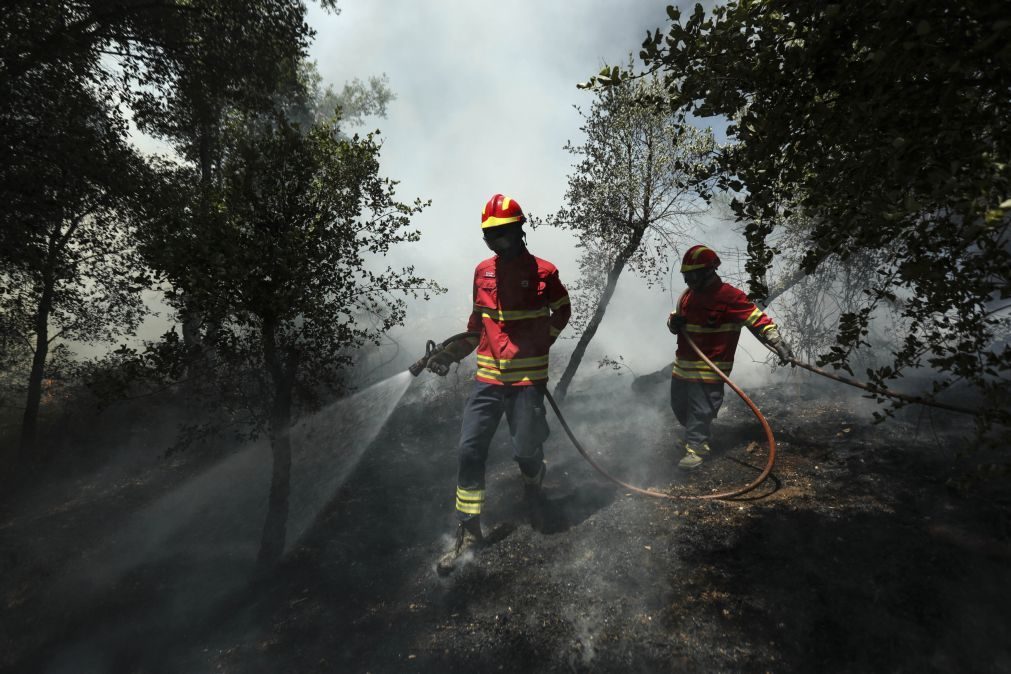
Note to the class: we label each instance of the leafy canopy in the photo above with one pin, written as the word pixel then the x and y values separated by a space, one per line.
pixel 285 264
pixel 884 125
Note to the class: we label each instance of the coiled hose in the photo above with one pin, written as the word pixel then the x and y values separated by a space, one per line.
pixel 769 463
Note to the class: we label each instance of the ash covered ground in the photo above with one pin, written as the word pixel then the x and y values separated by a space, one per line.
pixel 868 550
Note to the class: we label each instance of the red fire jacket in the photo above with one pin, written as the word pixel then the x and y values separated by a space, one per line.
pixel 715 317
pixel 520 306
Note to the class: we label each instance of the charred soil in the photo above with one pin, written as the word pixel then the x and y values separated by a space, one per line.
pixel 864 552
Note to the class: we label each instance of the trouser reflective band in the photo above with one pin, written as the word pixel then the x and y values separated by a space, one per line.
pixel 469 501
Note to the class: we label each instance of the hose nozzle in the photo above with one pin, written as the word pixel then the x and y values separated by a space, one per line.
pixel 431 348
pixel 419 367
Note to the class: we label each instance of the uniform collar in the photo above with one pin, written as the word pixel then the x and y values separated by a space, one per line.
pixel 715 284
pixel 523 256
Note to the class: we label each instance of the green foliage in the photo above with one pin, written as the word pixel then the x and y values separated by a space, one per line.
pixel 68 269
pixel 640 178
pixel 350 106
pixel 283 265
pixel 884 125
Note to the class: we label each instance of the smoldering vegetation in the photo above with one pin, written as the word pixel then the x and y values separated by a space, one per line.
pixel 860 554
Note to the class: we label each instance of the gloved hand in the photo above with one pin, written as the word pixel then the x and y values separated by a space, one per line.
pixel 440 361
pixel 676 322
pixel 784 352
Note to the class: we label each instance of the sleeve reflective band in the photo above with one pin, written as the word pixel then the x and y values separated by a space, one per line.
pixel 559 303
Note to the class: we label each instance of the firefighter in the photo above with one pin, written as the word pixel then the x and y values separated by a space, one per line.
pixel 712 313
pixel 520 307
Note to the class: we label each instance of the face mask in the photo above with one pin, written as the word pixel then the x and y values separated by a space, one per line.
pixel 500 244
pixel 696 280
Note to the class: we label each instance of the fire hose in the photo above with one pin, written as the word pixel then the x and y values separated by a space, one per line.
pixel 431 348
pixel 769 462
pixel 877 390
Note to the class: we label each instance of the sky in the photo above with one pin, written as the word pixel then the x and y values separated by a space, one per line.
pixel 485 96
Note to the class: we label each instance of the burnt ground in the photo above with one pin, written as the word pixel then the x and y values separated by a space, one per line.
pixel 868 551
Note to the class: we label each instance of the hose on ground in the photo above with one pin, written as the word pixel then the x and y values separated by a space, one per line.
pixel 889 393
pixel 770 461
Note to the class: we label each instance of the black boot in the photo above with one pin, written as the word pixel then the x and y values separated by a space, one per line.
pixel 468 539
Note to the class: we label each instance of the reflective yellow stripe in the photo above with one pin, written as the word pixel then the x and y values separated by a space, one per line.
pixel 768 327
pixel 468 508
pixel 495 222
pixel 490 362
pixel 512 377
pixel 554 332
pixel 754 316
pixel 691 267
pixel 697 370
pixel 699 251
pixel 559 303
pixel 722 327
pixel 469 495
pixel 511 315
pixel 469 501
pixel 708 375
pixel 724 365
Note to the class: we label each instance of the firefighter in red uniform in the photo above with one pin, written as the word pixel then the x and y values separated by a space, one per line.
pixel 520 307
pixel 712 313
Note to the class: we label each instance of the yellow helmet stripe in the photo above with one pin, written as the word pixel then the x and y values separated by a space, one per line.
pixel 691 267
pixel 495 222
pixel 699 251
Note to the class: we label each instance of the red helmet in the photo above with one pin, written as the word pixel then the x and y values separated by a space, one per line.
pixel 700 257
pixel 501 210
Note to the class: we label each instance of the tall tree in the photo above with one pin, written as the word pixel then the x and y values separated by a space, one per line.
pixel 285 265
pixel 66 69
pixel 228 58
pixel 884 124
pixel 639 181
pixel 69 269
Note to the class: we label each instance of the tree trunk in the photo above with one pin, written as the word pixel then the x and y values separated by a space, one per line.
pixel 30 420
pixel 795 277
pixel 192 316
pixel 562 388
pixel 275 527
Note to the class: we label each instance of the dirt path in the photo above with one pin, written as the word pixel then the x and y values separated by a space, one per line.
pixel 855 558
